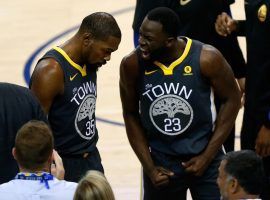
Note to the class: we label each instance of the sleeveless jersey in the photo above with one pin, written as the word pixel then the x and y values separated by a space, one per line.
pixel 176 104
pixel 72 114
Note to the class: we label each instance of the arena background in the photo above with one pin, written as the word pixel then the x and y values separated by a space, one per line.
pixel 29 28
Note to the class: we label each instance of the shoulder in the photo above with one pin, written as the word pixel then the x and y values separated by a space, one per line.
pixel 64 185
pixel 211 60
pixel 129 64
pixel 47 71
pixel 48 66
pixel 5 187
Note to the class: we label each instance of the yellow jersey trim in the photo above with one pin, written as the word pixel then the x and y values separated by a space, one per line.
pixel 169 70
pixel 82 70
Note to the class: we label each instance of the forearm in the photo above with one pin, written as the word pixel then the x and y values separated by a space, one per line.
pixel 224 123
pixel 138 141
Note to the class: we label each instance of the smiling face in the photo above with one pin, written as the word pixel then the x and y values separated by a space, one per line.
pixel 97 52
pixel 152 40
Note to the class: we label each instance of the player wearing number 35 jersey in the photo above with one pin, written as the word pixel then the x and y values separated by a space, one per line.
pixel 64 81
pixel 166 88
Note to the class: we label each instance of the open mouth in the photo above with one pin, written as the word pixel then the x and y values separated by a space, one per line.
pixel 145 54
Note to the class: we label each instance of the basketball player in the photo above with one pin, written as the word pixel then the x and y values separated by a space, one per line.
pixel 64 81
pixel 18 106
pixel 255 134
pixel 166 88
pixel 197 22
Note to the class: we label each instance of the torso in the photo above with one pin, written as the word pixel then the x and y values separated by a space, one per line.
pixel 72 114
pixel 176 104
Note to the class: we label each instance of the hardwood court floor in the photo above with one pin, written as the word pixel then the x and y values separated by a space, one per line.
pixel 29 28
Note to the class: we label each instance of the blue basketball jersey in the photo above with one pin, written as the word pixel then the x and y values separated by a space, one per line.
pixel 72 114
pixel 176 103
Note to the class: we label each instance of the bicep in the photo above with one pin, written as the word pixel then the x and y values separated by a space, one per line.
pixel 218 72
pixel 46 82
pixel 128 87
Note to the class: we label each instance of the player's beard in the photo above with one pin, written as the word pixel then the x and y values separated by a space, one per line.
pixel 158 53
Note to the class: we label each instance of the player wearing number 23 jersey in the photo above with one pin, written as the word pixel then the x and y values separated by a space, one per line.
pixel 178 115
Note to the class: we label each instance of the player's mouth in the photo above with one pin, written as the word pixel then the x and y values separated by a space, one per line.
pixel 145 54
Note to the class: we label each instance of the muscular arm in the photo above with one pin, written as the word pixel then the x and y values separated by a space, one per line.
pixel 220 76
pixel 216 69
pixel 47 82
pixel 129 74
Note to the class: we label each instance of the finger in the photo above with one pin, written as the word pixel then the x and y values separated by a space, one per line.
pixel 190 169
pixel 219 30
pixel 264 151
pixel 258 149
pixel 57 159
pixel 161 180
pixel 268 151
pixel 188 163
pixel 166 171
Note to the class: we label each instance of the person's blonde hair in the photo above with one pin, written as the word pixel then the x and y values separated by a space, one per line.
pixel 94 186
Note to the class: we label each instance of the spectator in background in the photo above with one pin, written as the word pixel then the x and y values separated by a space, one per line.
pixel 18 106
pixel 94 186
pixel 240 175
pixel 34 154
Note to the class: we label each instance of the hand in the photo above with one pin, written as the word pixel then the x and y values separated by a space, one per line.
pixel 225 25
pixel 262 145
pixel 160 176
pixel 57 168
pixel 197 165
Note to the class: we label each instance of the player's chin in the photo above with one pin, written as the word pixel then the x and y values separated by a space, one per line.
pixel 95 67
pixel 146 56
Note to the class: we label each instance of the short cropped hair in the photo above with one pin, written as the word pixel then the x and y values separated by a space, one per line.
pixel 94 186
pixel 101 25
pixel 247 167
pixel 167 18
pixel 33 144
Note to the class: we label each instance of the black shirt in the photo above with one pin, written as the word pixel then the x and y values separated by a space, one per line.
pixel 18 106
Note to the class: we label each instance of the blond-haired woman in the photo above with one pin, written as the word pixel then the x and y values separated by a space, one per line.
pixel 94 186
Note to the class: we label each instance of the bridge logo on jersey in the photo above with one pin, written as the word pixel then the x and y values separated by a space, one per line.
pixel 187 71
pixel 85 123
pixel 171 114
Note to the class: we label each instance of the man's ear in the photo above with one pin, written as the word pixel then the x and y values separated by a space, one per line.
pixel 234 185
pixel 14 153
pixel 87 39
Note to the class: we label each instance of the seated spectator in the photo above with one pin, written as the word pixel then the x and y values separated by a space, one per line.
pixel 34 154
pixel 240 175
pixel 18 105
pixel 94 186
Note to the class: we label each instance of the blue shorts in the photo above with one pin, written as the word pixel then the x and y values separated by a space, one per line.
pixel 76 166
pixel 201 188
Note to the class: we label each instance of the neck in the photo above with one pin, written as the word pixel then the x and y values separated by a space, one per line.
pixel 173 53
pixel 38 170
pixel 246 196
pixel 72 49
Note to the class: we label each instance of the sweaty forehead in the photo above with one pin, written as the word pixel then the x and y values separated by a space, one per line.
pixel 111 43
